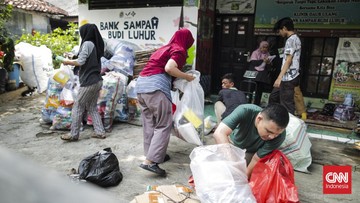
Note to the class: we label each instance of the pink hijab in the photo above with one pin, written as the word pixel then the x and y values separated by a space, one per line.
pixel 258 54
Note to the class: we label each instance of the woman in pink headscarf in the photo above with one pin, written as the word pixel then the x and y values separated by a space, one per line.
pixel 153 91
pixel 259 62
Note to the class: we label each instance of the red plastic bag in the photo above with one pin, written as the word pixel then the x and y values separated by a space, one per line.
pixel 272 179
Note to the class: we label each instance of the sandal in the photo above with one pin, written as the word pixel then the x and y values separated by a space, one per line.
pixel 98 136
pixel 68 137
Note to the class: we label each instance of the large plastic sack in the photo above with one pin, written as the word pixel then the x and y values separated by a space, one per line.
pixel 101 168
pixel 219 173
pixel 111 90
pixel 113 45
pixel 61 91
pixel 134 109
pixel 296 145
pixel 189 113
pixel 122 110
pixel 128 108
pixel 272 179
pixel 122 61
pixel 344 113
pixel 62 119
pixel 37 65
pixel 52 100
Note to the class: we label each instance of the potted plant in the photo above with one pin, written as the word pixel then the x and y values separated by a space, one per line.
pixel 6 46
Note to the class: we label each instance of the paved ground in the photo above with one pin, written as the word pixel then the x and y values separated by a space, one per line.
pixel 20 132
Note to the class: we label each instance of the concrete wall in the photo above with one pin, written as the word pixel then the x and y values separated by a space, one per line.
pixel 23 22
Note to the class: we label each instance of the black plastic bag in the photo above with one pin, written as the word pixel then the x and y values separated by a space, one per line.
pixel 328 109
pixel 101 168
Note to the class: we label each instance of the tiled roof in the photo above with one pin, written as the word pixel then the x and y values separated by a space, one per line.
pixel 36 5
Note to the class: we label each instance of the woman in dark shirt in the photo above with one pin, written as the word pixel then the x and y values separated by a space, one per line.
pixel 91 50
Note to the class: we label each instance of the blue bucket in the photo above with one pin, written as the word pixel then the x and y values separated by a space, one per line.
pixel 15 74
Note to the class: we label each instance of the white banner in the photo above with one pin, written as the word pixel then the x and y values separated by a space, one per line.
pixel 146 27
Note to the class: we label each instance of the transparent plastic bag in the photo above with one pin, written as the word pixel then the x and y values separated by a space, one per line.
pixel 219 173
pixel 189 114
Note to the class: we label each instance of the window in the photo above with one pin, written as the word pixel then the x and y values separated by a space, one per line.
pixel 113 4
pixel 319 57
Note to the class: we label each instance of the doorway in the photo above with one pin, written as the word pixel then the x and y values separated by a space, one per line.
pixel 233 42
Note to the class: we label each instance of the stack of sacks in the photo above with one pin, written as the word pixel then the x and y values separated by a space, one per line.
pixel 141 58
pixel 60 96
pixel 119 57
pixel 297 144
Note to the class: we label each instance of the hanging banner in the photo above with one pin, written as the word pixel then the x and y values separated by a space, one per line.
pixel 346 75
pixel 311 17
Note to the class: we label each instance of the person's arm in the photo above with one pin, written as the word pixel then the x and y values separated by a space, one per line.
pixel 71 62
pixel 86 48
pixel 285 67
pixel 171 68
pixel 221 134
pixel 251 165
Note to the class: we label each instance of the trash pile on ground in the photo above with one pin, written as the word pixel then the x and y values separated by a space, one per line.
pixel 117 101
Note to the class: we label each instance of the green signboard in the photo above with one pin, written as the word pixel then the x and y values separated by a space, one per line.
pixel 310 14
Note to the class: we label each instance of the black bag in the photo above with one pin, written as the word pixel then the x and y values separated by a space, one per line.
pixel 101 168
pixel 328 109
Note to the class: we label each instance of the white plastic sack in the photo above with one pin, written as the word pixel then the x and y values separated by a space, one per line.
pixel 111 90
pixel 189 114
pixel 219 173
pixel 52 100
pixel 297 144
pixel 134 109
pixel 120 57
pixel 121 110
pixel 37 65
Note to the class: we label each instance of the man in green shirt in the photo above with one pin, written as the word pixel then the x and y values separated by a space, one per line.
pixel 259 131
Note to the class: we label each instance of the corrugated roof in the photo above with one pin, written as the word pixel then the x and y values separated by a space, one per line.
pixel 36 5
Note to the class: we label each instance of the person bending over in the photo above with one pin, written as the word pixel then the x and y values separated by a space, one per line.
pixel 259 131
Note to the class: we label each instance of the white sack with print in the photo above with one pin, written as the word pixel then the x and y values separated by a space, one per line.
pixel 37 65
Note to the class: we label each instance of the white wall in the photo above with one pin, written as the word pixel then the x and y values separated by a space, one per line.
pixel 41 23
pixel 139 25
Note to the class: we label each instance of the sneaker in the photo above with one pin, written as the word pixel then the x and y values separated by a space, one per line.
pixel 153 168
pixel 68 137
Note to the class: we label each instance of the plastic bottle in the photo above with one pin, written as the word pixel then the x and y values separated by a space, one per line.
pixel 59 58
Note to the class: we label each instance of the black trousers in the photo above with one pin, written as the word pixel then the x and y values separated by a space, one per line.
pixel 285 94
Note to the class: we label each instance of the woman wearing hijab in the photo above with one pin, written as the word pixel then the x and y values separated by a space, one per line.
pixel 91 50
pixel 153 91
pixel 259 61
